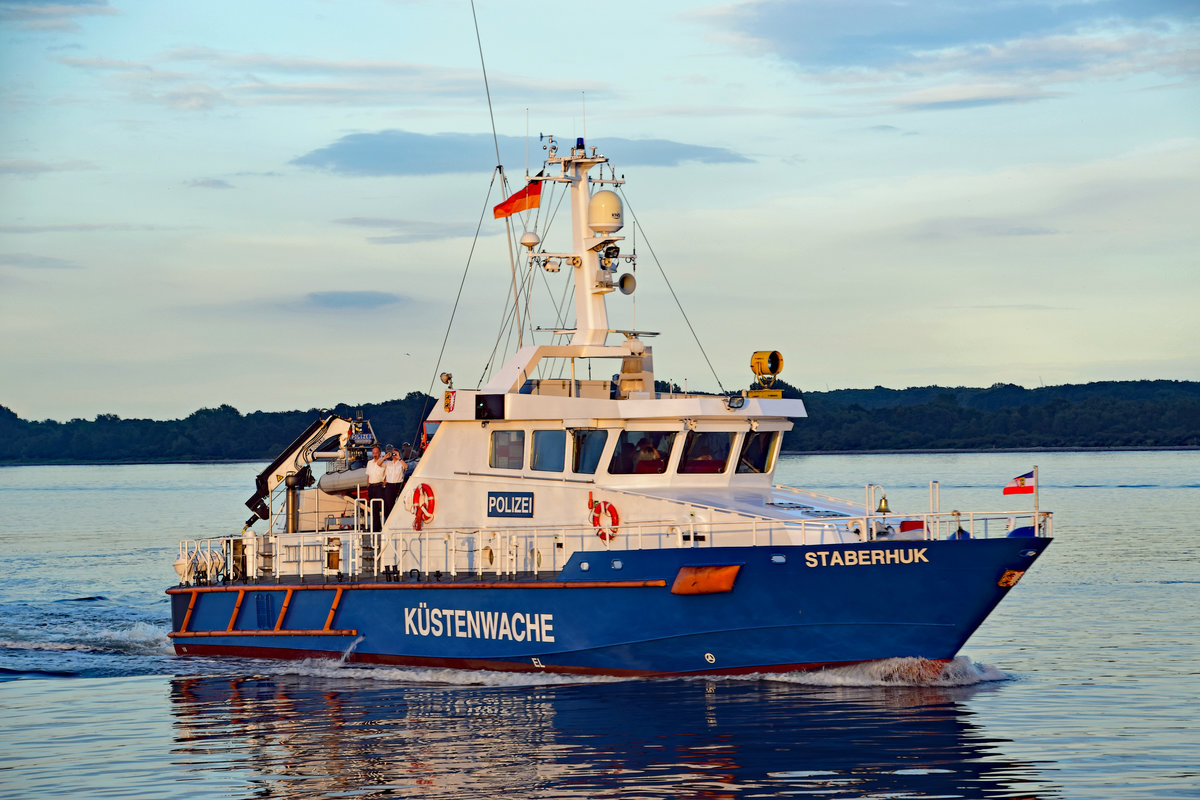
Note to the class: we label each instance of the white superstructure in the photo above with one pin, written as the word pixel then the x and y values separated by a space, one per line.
pixel 527 470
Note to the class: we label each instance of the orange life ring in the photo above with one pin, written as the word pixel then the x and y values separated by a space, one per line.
pixel 603 509
pixel 423 504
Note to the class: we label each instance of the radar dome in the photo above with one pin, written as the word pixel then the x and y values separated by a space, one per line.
pixel 604 212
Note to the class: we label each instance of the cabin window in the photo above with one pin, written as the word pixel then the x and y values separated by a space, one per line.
pixel 508 450
pixel 549 451
pixel 589 445
pixel 705 451
pixel 642 452
pixel 757 448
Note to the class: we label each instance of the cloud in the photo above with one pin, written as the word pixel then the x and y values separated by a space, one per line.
pixel 401 153
pixel 209 183
pixel 101 64
pixel 193 97
pixel 1018 307
pixel 395 152
pixel 200 79
pixel 404 231
pixel 34 168
pixel 81 227
pixel 1029 43
pixel 974 227
pixel 665 153
pixel 350 301
pixel 835 34
pixel 968 96
pixel 30 261
pixel 56 16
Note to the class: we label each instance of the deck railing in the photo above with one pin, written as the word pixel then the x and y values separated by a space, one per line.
pixel 505 552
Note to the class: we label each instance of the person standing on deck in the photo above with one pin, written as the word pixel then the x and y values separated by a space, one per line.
pixel 375 478
pixel 394 472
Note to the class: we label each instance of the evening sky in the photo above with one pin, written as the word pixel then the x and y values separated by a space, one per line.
pixel 271 204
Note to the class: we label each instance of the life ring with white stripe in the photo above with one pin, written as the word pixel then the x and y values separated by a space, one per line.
pixel 605 530
pixel 422 505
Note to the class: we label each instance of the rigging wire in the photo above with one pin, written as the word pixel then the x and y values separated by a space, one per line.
pixel 486 89
pixel 646 241
pixel 503 180
pixel 505 325
pixel 462 283
pixel 499 170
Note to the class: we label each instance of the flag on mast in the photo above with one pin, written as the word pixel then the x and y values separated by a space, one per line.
pixel 527 198
pixel 1022 484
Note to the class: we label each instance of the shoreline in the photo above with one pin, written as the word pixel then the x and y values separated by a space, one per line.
pixel 960 450
pixel 893 452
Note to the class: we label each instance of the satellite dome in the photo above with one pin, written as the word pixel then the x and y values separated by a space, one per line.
pixel 604 212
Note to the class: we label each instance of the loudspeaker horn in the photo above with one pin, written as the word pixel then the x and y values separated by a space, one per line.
pixel 627 283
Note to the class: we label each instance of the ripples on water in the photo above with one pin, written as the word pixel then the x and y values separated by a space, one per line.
pixel 1080 685
pixel 314 729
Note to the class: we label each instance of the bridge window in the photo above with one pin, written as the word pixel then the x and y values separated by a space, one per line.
pixel 757 448
pixel 508 450
pixel 642 452
pixel 549 451
pixel 705 451
pixel 589 444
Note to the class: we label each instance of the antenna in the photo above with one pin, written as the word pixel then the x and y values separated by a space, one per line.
pixel 499 168
pixel 583 103
pixel 487 90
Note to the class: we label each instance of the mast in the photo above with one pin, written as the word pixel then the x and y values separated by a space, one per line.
pixel 592 281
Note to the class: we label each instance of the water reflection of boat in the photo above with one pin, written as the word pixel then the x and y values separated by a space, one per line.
pixel 598 525
pixel 306 737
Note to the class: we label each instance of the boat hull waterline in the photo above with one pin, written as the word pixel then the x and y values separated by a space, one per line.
pixel 719 610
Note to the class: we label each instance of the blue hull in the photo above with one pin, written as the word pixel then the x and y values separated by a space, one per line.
pixel 632 612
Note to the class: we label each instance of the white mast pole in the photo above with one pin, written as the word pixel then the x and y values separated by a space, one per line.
pixel 1037 517
pixel 591 316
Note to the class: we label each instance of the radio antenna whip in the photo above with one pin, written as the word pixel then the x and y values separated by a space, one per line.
pixel 512 263
pixel 486 89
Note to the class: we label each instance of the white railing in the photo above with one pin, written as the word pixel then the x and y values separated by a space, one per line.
pixel 532 550
pixel 334 518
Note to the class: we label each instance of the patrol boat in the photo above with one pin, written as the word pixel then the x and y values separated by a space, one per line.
pixel 580 525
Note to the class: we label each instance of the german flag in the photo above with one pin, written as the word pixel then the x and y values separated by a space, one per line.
pixel 527 198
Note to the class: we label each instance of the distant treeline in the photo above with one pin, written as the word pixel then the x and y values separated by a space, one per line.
pixel 210 434
pixel 1105 414
pixel 1108 414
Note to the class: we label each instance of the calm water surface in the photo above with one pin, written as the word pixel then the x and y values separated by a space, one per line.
pixel 1083 683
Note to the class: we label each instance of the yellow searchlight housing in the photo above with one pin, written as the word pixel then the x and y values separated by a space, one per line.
pixel 766 364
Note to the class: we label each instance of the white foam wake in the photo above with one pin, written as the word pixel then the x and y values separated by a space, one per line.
pixel 960 671
pixel 47 646
pixel 137 638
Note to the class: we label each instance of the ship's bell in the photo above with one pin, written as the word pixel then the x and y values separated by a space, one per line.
pixel 883 506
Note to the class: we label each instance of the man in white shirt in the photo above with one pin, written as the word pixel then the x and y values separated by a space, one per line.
pixel 394 470
pixel 375 478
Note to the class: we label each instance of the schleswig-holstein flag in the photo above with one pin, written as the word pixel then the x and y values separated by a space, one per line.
pixel 1022 484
